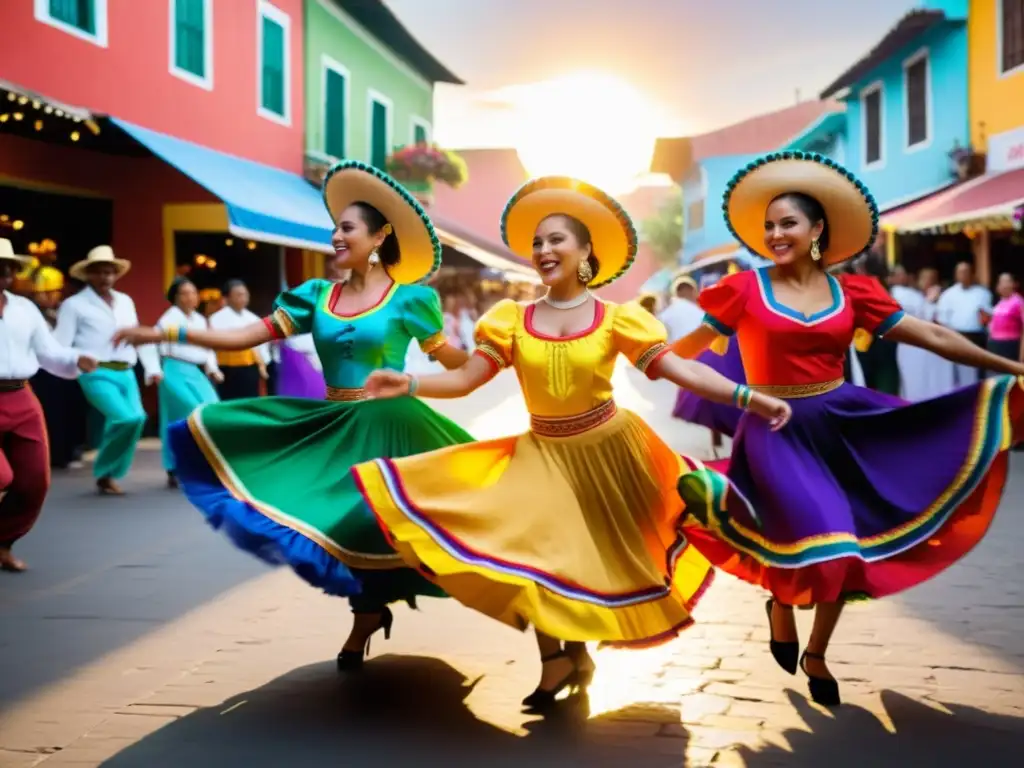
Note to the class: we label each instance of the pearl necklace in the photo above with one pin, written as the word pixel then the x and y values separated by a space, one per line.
pixel 570 304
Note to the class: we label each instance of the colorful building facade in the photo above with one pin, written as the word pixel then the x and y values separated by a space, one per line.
pixel 906 105
pixel 995 31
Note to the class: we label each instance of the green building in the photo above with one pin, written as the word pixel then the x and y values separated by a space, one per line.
pixel 369 83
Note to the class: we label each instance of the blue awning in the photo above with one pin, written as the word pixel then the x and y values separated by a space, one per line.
pixel 263 203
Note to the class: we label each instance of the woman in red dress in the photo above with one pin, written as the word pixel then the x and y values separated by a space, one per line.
pixel 862 495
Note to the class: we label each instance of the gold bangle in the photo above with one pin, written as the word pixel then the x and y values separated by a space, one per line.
pixel 171 333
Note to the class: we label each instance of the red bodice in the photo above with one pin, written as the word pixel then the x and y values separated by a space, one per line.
pixel 782 347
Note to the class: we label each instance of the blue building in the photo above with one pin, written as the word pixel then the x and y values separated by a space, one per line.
pixel 906 107
pixel 702 166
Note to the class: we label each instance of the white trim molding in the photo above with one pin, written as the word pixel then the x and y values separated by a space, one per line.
pixel 99 37
pixel 417 121
pixel 367 37
pixel 876 87
pixel 1000 72
pixel 206 81
pixel 264 9
pixel 372 97
pixel 327 64
pixel 921 55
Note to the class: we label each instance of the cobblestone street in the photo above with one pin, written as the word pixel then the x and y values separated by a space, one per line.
pixel 141 639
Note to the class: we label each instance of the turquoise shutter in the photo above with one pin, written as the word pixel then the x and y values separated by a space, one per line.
pixel 273 67
pixel 419 134
pixel 379 126
pixel 334 114
pixel 190 36
pixel 80 14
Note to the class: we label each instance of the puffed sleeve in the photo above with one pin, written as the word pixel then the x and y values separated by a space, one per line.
pixel 421 314
pixel 725 302
pixel 495 332
pixel 294 310
pixel 639 335
pixel 874 309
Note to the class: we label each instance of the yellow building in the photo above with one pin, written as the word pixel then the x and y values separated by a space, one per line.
pixel 995 31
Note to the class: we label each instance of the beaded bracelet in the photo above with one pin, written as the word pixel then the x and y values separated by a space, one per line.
pixel 182 334
pixel 171 333
pixel 742 396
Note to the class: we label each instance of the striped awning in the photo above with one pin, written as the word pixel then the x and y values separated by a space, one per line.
pixel 991 202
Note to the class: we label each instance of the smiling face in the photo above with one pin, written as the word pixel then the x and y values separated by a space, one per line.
pixel 187 297
pixel 557 251
pixel 788 231
pixel 352 240
pixel 1007 285
pixel 101 277
pixel 8 269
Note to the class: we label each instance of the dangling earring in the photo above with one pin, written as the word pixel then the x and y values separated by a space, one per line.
pixel 815 250
pixel 374 258
pixel 584 273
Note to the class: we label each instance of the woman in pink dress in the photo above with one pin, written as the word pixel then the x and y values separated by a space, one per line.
pixel 1007 325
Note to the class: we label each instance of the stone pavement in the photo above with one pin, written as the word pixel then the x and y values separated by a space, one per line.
pixel 935 678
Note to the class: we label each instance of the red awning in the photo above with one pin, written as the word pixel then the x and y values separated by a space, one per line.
pixel 984 202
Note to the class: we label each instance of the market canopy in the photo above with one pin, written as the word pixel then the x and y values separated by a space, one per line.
pixel 987 202
pixel 263 203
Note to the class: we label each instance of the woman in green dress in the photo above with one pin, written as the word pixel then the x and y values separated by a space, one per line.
pixel 273 473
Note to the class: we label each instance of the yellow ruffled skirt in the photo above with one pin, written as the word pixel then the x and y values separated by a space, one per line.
pixel 580 536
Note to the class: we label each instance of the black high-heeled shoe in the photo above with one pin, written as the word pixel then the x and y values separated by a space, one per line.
pixel 578 653
pixel 785 654
pixel 543 699
pixel 349 660
pixel 824 690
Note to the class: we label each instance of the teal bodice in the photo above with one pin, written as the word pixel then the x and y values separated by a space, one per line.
pixel 351 346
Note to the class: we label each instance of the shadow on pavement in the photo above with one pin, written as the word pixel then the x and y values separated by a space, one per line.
pixel 400 711
pixel 919 735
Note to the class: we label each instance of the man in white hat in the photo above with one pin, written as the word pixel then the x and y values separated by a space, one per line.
pixel 682 315
pixel 87 321
pixel 25 344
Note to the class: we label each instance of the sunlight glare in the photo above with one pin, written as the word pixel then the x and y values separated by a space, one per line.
pixel 593 126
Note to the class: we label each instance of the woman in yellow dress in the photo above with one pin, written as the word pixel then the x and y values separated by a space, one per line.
pixel 574 527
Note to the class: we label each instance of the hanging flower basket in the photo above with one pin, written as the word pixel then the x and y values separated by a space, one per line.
pixel 419 166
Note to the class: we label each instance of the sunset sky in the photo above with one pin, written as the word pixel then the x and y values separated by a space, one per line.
pixel 585 86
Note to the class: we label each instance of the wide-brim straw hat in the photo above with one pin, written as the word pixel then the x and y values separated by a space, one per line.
pixel 612 233
pixel 351 181
pixel 849 207
pixel 7 254
pixel 101 254
pixel 682 278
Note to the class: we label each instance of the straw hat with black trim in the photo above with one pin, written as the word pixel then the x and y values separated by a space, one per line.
pixel 849 207
pixel 611 230
pixel 351 181
pixel 7 254
pixel 101 254
pixel 682 278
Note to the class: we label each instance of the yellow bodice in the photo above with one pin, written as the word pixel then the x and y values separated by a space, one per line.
pixel 566 376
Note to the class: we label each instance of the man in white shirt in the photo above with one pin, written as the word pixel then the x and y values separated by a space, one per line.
pixel 87 321
pixel 683 315
pixel 963 307
pixel 243 369
pixel 25 343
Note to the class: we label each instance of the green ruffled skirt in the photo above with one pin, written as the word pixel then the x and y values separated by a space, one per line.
pixel 273 474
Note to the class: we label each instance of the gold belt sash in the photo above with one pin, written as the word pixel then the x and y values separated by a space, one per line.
pixel 793 391
pixel 346 395
pixel 567 426
pixel 236 359
pixel 116 366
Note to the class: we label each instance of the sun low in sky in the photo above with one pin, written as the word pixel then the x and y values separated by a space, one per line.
pixel 592 126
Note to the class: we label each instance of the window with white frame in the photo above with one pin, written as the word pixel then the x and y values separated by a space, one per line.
pixel 191 41
pixel 85 19
pixel 380 129
pixel 916 99
pixel 871 110
pixel 335 108
pixel 420 131
pixel 1011 35
pixel 273 75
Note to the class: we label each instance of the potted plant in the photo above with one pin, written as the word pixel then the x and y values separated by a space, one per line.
pixel 419 166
